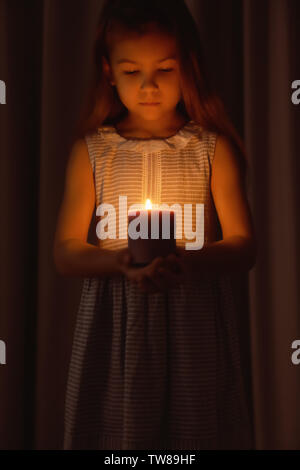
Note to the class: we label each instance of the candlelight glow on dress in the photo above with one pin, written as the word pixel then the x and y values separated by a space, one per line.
pixel 156 371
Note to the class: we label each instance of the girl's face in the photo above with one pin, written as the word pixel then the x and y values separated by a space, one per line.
pixel 145 69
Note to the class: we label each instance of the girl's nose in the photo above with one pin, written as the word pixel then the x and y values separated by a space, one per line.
pixel 148 83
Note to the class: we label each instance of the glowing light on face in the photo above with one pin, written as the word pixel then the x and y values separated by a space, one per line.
pixel 145 69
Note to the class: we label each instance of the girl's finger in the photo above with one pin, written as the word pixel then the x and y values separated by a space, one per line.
pixel 160 275
pixel 156 263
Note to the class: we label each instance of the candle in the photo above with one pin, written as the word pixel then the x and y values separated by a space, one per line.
pixel 151 233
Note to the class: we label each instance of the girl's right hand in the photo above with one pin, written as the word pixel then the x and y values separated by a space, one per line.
pixel 147 278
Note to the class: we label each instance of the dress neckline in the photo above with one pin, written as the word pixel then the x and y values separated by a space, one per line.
pixel 176 141
pixel 149 138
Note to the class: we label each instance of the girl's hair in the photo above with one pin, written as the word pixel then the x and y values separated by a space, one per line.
pixel 199 103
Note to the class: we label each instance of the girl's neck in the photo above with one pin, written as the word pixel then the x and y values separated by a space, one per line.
pixel 128 127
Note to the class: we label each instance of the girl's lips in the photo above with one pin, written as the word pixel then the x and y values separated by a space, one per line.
pixel 149 104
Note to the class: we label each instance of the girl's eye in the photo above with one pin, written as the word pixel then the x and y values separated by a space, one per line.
pixel 136 71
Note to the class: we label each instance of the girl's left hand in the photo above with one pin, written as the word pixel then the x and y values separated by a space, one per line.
pixel 164 272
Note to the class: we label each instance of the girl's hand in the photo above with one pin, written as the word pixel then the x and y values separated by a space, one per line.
pixel 159 275
pixel 134 274
pixel 166 272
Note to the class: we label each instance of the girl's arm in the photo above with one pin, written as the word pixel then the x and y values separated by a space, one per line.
pixel 76 258
pixel 73 256
pixel 232 255
pixel 236 252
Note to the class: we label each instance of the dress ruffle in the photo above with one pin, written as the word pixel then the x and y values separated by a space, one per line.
pixel 177 141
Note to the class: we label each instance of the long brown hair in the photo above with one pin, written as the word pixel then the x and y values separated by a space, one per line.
pixel 199 102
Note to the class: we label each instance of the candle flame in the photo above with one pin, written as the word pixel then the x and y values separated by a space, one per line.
pixel 148 204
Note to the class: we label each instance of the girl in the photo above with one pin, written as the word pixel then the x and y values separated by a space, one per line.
pixel 155 360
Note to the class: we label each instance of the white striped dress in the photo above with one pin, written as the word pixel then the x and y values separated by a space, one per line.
pixel 156 370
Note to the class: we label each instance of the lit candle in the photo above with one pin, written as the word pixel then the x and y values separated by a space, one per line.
pixel 151 233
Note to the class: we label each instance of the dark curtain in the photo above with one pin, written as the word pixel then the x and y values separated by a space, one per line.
pixel 45 61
